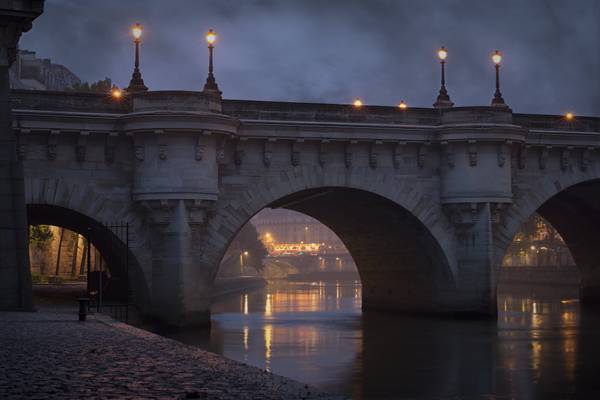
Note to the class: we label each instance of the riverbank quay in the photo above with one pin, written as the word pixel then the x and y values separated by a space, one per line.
pixel 233 285
pixel 49 354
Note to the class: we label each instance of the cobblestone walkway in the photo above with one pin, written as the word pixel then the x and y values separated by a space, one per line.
pixel 50 355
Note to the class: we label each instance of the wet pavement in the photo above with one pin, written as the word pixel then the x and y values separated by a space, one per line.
pixel 50 355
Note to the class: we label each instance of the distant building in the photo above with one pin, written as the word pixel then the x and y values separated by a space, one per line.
pixel 286 226
pixel 302 241
pixel 32 73
pixel 538 244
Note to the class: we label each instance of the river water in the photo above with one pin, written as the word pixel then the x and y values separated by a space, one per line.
pixel 543 345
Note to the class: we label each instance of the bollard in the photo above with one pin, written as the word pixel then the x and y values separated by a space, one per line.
pixel 83 305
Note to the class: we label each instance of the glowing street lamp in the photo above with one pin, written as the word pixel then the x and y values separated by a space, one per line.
pixel 569 116
pixel 137 83
pixel 242 264
pixel 498 101
pixel 402 105
pixel 443 99
pixel 357 102
pixel 211 87
pixel 136 31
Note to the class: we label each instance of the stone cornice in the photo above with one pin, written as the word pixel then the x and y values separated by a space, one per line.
pixel 66 121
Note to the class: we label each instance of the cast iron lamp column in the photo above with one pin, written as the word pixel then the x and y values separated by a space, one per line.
pixel 498 101
pixel 211 87
pixel 443 100
pixel 137 83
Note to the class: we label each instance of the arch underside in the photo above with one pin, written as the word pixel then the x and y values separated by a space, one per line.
pixel 119 259
pixel 575 214
pixel 401 265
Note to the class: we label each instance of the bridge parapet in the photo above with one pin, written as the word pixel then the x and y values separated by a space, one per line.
pixel 82 102
pixel 557 123
pixel 476 115
pixel 318 112
pixel 175 101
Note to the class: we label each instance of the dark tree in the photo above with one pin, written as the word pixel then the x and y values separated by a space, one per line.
pixel 101 86
pixel 246 249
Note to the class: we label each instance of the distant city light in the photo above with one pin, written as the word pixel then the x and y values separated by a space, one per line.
pixel 358 102
pixel 402 105
pixel 569 116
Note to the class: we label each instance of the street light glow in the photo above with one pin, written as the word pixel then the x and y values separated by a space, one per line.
pixel 211 37
pixel 402 105
pixel 358 102
pixel 569 116
pixel 136 31
pixel 497 57
pixel 116 93
pixel 442 53
pixel 245 253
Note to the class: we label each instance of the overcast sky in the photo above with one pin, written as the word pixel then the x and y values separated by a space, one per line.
pixel 334 50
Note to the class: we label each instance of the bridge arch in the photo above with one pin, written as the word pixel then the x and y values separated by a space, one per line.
pixel 398 237
pixel 572 206
pixel 82 210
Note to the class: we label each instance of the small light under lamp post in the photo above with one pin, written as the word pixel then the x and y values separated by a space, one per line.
pixel 443 99
pixel 137 83
pixel 498 101
pixel 116 93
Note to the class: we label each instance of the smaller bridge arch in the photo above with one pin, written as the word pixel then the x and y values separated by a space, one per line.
pixel 83 210
pixel 572 206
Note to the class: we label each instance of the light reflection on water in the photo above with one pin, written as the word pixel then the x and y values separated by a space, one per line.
pixel 543 344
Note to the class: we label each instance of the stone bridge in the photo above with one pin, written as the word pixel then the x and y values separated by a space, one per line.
pixel 426 200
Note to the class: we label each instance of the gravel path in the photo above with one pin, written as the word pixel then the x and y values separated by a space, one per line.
pixel 49 354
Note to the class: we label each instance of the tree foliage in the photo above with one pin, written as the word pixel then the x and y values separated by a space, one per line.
pixel 40 235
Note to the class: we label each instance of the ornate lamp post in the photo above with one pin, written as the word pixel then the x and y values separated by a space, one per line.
pixel 443 100
pixel 137 83
pixel 211 87
pixel 498 101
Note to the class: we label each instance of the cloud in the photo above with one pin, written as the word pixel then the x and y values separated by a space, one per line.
pixel 333 51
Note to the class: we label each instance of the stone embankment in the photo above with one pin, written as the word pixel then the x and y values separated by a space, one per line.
pixel 50 355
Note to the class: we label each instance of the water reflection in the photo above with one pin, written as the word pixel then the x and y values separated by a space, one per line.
pixel 543 344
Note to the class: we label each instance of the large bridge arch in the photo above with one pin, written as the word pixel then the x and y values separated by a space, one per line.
pixel 392 226
pixel 571 203
pixel 82 209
